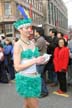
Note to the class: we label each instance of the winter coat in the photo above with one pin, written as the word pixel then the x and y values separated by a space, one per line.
pixel 61 59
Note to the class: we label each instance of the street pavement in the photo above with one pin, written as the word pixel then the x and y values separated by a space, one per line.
pixel 10 99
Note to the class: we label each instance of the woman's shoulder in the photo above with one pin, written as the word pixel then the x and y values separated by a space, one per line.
pixel 17 44
pixel 66 48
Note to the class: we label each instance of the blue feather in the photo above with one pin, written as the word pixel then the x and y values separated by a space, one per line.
pixel 21 9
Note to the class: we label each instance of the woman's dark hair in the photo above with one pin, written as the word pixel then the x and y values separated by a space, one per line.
pixel 63 40
pixel 10 42
pixel 60 33
pixel 16 39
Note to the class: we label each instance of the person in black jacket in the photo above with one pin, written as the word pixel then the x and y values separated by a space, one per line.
pixel 51 45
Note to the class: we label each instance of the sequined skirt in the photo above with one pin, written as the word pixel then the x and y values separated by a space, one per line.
pixel 28 86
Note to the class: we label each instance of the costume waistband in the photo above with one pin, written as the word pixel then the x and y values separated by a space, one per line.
pixel 30 74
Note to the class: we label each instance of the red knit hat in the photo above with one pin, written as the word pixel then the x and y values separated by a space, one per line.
pixel 66 37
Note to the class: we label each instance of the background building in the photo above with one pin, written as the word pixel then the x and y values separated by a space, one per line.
pixel 55 15
pixel 36 7
pixel 49 13
pixel 7 16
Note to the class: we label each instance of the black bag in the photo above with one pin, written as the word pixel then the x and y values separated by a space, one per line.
pixel 9 58
pixel 4 75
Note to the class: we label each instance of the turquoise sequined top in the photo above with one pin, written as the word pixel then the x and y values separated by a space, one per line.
pixel 28 54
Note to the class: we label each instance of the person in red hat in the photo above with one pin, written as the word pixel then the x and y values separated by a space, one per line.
pixel 66 39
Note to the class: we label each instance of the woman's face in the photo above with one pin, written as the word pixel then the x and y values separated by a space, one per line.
pixel 61 43
pixel 6 42
pixel 25 31
pixel 59 35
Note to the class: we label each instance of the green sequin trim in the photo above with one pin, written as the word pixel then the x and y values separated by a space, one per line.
pixel 29 53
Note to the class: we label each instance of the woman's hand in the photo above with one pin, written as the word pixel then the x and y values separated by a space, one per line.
pixel 40 60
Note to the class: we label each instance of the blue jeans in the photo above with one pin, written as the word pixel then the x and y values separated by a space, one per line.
pixel 52 76
pixel 40 69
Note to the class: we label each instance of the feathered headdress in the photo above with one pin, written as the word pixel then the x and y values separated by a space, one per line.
pixel 26 21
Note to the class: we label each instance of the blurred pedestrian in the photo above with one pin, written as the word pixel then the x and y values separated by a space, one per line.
pixel 41 44
pixel 66 39
pixel 52 44
pixel 70 62
pixel 3 72
pixel 8 48
pixel 61 59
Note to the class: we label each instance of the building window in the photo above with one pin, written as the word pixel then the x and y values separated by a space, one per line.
pixel 8 28
pixel 33 16
pixel 38 19
pixel 39 7
pixel 27 1
pixel 7 9
pixel 1 29
pixel 18 14
pixel 49 15
pixel 63 21
pixel 35 4
pixel 32 2
pixel 57 17
pixel 60 19
pixel 55 14
pixel 52 13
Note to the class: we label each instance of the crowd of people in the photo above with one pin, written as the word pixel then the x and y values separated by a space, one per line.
pixel 56 44
pixel 60 49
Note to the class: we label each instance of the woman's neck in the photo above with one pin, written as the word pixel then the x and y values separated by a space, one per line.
pixel 24 39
